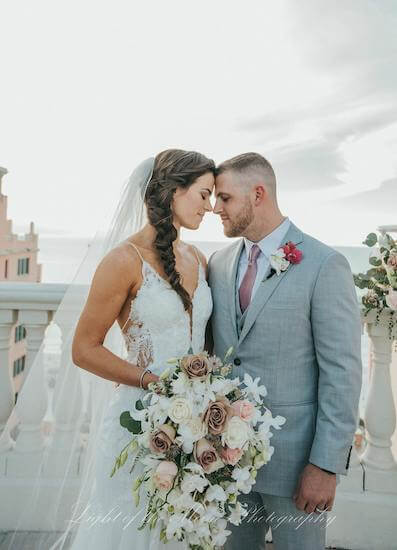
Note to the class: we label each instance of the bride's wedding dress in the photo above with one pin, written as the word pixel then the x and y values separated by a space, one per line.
pixel 158 328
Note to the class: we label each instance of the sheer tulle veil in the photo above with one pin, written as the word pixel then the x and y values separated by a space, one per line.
pixel 61 472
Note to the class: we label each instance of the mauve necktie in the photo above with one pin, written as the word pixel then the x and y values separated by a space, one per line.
pixel 248 281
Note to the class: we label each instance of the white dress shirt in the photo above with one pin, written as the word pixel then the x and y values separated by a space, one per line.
pixel 268 246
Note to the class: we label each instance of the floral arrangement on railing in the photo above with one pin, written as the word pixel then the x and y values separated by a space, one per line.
pixel 380 279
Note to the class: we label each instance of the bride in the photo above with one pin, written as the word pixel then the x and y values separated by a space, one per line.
pixel 154 285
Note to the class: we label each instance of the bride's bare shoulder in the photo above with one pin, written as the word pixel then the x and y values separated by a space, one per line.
pixel 122 260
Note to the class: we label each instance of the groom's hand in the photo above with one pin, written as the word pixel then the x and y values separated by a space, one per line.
pixel 315 490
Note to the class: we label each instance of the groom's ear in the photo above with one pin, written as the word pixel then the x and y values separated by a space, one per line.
pixel 260 193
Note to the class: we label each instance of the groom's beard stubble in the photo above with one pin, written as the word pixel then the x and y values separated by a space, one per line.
pixel 240 223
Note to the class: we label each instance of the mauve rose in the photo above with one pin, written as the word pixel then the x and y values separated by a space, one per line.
pixel 244 409
pixel 391 299
pixel 205 455
pixel 392 261
pixel 162 439
pixel 216 415
pixel 231 456
pixel 196 366
pixel 165 474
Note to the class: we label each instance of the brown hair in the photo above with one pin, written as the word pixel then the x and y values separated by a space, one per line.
pixel 173 168
pixel 251 164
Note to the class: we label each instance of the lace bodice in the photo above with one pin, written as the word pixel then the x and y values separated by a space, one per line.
pixel 158 325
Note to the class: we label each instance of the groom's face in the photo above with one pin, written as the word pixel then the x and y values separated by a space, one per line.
pixel 233 204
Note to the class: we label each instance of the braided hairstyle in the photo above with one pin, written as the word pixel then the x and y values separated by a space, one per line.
pixel 173 168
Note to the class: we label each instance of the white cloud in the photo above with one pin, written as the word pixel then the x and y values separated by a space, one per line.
pixel 91 88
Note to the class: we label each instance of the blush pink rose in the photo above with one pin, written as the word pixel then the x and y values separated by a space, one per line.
pixel 231 456
pixel 244 409
pixel 165 474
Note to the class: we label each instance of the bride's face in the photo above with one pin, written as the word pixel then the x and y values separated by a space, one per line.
pixel 189 205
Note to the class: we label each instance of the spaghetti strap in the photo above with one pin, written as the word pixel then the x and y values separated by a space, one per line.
pixel 136 249
pixel 126 321
pixel 197 256
pixel 143 261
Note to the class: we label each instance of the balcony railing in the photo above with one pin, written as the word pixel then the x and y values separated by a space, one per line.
pixel 365 509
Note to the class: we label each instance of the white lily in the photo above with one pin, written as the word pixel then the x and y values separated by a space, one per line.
pixel 269 421
pixel 215 492
pixel 193 482
pixel 238 512
pixel 278 261
pixel 253 388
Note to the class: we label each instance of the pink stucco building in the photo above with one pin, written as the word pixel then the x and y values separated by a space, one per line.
pixel 18 263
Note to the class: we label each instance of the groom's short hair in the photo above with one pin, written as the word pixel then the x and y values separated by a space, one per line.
pixel 251 164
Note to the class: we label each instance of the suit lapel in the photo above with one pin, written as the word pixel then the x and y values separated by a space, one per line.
pixel 231 282
pixel 268 286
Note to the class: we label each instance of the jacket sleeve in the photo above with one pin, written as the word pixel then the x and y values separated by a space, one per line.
pixel 336 328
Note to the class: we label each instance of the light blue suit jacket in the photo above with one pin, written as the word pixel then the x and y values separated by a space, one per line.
pixel 302 336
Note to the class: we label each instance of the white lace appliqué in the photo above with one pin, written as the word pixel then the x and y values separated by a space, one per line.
pixel 139 344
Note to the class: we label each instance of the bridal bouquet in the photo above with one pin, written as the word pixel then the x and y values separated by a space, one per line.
pixel 201 438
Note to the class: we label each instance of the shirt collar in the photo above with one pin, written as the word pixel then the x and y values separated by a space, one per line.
pixel 271 242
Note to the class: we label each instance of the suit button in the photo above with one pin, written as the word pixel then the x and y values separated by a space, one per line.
pixel 237 361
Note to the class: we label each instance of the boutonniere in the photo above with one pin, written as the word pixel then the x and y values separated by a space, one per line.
pixel 283 258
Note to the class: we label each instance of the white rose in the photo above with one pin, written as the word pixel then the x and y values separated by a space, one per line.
pixel 235 435
pixel 180 410
pixel 197 428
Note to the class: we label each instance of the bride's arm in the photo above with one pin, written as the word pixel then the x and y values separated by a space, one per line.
pixel 110 286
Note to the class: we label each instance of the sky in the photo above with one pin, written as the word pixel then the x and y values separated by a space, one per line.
pixel 91 88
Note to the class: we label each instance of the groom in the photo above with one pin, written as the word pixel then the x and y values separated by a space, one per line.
pixel 297 328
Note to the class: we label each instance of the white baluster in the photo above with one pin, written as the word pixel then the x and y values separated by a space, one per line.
pixel 380 414
pixel 67 407
pixel 35 323
pixel 32 399
pixel 7 320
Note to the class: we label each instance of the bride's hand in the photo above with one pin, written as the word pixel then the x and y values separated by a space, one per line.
pixel 148 378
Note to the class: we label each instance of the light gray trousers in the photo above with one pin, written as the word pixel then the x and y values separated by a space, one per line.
pixel 292 529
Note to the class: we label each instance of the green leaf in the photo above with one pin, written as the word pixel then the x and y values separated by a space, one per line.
pixel 371 239
pixel 375 261
pixel 126 421
pixel 139 405
pixel 123 457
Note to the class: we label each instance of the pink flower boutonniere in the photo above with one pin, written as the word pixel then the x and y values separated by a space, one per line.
pixel 284 257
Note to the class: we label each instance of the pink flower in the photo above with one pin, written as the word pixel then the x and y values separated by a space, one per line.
pixel 196 366
pixel 161 440
pixel 292 254
pixel 165 474
pixel 289 247
pixel 392 261
pixel 217 414
pixel 244 409
pixel 231 456
pixel 205 455
pixel 391 299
